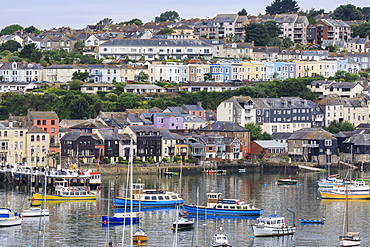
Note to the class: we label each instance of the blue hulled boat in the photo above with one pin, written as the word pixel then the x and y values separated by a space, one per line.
pixel 218 206
pixel 121 218
pixel 149 198
pixel 308 221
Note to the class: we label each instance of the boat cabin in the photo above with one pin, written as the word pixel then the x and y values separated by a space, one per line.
pixel 272 220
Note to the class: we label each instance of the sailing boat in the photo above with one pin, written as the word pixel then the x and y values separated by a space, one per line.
pixel 352 238
pixel 287 180
pixel 140 235
pixel 39 211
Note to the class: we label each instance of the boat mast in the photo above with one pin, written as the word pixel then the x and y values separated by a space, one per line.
pixel 131 199
pixel 346 207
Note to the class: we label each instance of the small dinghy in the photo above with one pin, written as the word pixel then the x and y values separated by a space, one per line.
pixel 311 221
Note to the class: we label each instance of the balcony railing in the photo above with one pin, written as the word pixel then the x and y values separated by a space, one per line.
pixel 310 145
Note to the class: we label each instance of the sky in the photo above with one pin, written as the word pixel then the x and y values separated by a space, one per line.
pixel 79 13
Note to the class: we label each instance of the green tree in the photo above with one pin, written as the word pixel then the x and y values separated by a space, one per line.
pixel 243 12
pixel 255 131
pixel 365 13
pixel 275 42
pixel 347 13
pixel 135 21
pixel 32 29
pixel 143 76
pixel 31 53
pixel 165 30
pixel 282 6
pixel 332 48
pixel 80 109
pixel 207 77
pixel 128 100
pixel 362 30
pixel 273 29
pixel 346 76
pixel 335 127
pixel 112 97
pixel 14 59
pixel 287 42
pixel 266 136
pixel 168 16
pixel 81 76
pixel 75 85
pixel 11 46
pixel 105 21
pixel 257 32
pixel 11 29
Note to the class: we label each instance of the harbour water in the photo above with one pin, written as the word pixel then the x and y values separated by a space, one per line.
pixel 79 224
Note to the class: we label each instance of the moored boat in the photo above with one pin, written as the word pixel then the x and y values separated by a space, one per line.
pixel 121 218
pixel 9 218
pixel 271 226
pixel 35 212
pixel 311 221
pixel 183 223
pixel 220 240
pixel 356 191
pixel 149 198
pixel 217 206
pixel 65 192
pixel 140 236
pixel 287 181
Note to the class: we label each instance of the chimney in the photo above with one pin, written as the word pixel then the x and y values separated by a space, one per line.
pixel 209 125
pixel 223 126
pixel 199 104
pixel 10 124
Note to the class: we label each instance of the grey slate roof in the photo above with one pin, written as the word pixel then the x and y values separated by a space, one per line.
pixel 154 42
pixel 193 107
pixel 108 134
pixel 225 126
pixel 359 140
pixel 270 144
pixel 74 135
pixel 281 135
pixel 311 134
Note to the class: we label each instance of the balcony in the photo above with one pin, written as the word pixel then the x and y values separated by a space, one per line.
pixel 306 145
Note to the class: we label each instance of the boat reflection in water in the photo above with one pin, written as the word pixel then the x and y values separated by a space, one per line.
pixel 287 240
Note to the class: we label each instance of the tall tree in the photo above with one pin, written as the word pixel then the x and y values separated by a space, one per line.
pixel 282 6
pixel 168 16
pixel 311 14
pixel 257 32
pixel 105 21
pixel 31 53
pixel 243 12
pixel 165 30
pixel 362 30
pixel 347 13
pixel 365 13
pixel 11 29
pixel 32 29
pixel 272 28
pixel 255 131
pixel 135 21
pixel 10 45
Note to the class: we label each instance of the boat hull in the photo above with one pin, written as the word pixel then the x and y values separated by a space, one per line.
pixel 332 195
pixel 287 181
pixel 35 212
pixel 265 231
pixel 140 239
pixel 118 220
pixel 49 197
pixel 350 242
pixel 11 221
pixel 305 221
pixel 122 202
pixel 203 210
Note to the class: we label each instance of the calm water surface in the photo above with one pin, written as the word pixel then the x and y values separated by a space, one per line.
pixel 77 224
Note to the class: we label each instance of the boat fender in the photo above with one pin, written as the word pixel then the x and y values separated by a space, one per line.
pixel 63 189
pixel 85 188
pixel 283 225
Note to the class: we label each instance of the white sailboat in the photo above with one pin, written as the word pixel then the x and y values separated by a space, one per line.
pixel 351 238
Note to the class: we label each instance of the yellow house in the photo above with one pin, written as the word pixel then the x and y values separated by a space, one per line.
pixel 13 145
pixel 37 146
pixel 254 70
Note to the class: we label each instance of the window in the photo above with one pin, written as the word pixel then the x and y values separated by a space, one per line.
pixel 43 137
pixel 38 122
pixel 43 122
pixel 53 122
pixel 5 133
pixel 15 133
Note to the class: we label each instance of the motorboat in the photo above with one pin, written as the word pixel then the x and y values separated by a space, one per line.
pixel 183 222
pixel 350 239
pixel 272 225
pixel 358 190
pixel 220 240
pixel 35 212
pixel 65 192
pixel 9 218
pixel 218 206
pixel 149 198
pixel 287 181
